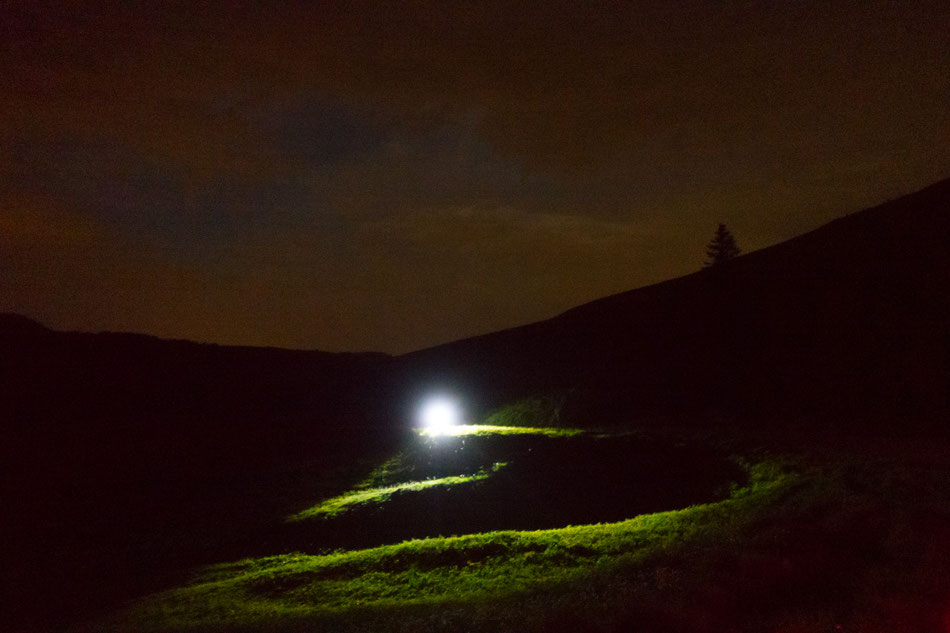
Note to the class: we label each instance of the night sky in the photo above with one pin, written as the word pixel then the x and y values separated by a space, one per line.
pixel 347 176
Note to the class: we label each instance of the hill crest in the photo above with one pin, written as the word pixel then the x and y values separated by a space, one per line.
pixel 850 316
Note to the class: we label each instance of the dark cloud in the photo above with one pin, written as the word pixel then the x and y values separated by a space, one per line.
pixel 318 131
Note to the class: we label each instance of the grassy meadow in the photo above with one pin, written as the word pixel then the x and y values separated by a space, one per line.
pixel 547 528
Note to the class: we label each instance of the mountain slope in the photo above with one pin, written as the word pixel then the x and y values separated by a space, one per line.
pixel 126 458
pixel 850 318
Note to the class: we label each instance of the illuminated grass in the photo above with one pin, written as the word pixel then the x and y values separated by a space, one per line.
pixel 337 505
pixel 384 588
pixel 539 415
pixel 537 411
pixel 491 429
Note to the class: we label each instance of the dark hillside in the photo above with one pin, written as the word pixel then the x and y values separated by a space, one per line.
pixel 125 457
pixel 49 377
pixel 852 318
pixel 160 400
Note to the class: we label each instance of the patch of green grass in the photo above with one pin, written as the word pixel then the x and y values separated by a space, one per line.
pixel 390 472
pixel 387 587
pixel 491 429
pixel 335 506
pixel 537 411
pixel 538 415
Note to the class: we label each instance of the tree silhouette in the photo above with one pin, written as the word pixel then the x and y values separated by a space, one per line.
pixel 722 248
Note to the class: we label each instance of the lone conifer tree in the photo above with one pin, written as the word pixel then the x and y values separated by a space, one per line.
pixel 722 248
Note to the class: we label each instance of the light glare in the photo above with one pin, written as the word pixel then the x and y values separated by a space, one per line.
pixel 439 416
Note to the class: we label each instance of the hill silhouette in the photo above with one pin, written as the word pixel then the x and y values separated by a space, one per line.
pixel 850 318
pixel 137 405
pixel 123 455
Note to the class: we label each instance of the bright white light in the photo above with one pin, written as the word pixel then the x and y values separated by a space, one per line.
pixel 439 415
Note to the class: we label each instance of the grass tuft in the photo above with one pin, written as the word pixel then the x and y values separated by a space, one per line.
pixel 537 412
pixel 335 506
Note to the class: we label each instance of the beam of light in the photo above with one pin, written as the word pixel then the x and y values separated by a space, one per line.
pixel 439 416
